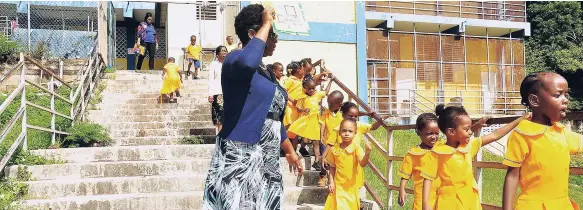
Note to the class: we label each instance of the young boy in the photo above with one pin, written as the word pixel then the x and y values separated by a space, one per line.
pixel 193 53
pixel 330 119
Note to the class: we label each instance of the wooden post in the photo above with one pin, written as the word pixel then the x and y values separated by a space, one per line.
pixel 52 89
pixel 390 167
pixel 23 102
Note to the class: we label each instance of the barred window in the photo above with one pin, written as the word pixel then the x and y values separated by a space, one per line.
pixel 207 12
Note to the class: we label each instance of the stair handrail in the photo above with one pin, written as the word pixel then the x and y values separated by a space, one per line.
pixel 78 98
pixel 389 156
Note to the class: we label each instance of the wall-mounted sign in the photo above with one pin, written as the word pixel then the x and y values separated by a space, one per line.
pixel 290 18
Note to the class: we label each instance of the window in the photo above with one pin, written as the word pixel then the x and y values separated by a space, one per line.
pixel 207 12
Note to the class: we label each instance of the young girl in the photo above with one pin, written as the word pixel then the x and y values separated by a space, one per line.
pixel 346 160
pixel 172 80
pixel 308 124
pixel 277 68
pixel 293 87
pixel 538 152
pixel 428 131
pixel 451 162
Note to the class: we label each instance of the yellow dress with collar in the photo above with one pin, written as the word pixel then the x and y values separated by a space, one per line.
pixel 293 87
pixel 453 167
pixel 411 169
pixel 308 125
pixel 543 155
pixel 349 177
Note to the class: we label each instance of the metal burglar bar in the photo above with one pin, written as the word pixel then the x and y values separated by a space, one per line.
pixel 80 93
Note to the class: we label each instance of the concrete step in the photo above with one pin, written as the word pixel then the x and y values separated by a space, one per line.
pixel 161 140
pixel 159 125
pixel 163 201
pixel 113 169
pixel 182 95
pixel 138 112
pixel 151 118
pixel 51 189
pixel 111 101
pixel 157 80
pixel 160 132
pixel 206 106
pixel 128 153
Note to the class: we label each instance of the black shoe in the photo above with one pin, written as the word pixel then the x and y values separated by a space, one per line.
pixel 317 166
pixel 304 152
pixel 188 74
pixel 195 77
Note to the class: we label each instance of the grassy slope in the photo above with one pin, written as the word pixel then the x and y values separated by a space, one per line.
pixel 493 178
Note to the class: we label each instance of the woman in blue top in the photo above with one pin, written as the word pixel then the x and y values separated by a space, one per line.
pixel 148 39
pixel 245 171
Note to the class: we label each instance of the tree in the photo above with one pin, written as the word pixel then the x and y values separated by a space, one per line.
pixel 556 43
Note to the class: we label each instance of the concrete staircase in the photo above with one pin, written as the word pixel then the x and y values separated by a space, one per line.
pixel 148 168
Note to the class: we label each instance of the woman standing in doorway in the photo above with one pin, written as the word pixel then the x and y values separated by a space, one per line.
pixel 215 89
pixel 147 38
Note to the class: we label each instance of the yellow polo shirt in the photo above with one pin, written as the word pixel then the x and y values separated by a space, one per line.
pixel 543 155
pixel 330 120
pixel 193 51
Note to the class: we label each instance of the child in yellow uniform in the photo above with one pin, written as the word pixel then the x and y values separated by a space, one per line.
pixel 428 131
pixel 193 54
pixel 293 87
pixel 350 110
pixel 331 118
pixel 308 124
pixel 346 160
pixel 172 79
pixel 451 162
pixel 538 152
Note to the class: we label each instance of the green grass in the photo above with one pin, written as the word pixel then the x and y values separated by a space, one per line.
pixel 493 179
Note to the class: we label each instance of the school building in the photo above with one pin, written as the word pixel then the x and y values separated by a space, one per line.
pixel 420 53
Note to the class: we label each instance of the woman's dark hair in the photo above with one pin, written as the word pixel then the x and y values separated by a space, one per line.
pixel 147 16
pixel 292 68
pixel 346 106
pixel 448 117
pixel 531 84
pixel 250 17
pixel 424 119
pixel 218 49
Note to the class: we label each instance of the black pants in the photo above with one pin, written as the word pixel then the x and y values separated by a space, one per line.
pixel 150 48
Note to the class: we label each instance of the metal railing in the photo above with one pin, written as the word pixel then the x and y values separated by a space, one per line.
pixel 502 10
pixel 79 95
pixel 388 153
pixel 411 102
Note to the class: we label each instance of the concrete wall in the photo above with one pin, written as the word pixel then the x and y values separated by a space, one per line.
pixel 340 58
pixel 182 23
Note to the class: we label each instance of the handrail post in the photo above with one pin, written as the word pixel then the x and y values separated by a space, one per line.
pixel 23 102
pixel 52 89
pixel 390 167
pixel 478 171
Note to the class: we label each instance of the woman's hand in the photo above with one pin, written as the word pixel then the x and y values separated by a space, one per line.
pixel 268 16
pixel 211 99
pixel 294 161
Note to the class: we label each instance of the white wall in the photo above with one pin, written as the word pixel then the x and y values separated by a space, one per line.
pixel 340 58
pixel 182 23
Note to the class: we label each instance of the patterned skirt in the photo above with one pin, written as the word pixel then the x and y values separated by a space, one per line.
pixel 246 176
pixel 217 109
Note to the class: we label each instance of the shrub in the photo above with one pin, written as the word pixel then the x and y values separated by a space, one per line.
pixel 85 134
pixel 8 49
pixel 14 189
pixel 191 140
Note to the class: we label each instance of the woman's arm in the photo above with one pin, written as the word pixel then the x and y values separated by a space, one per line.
pixel 291 156
pixel 425 195
pixel 402 193
pixel 510 185
pixel 501 132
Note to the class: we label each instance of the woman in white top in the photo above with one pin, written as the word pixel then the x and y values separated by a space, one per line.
pixel 215 90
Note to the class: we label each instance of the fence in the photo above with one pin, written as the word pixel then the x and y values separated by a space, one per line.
pixel 52 29
pixel 388 155
pixel 79 94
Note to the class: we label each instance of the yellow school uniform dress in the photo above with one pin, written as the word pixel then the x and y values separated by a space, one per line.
pixel 349 177
pixel 282 80
pixel 411 169
pixel 453 167
pixel 330 120
pixel 293 87
pixel 172 80
pixel 193 51
pixel 308 125
pixel 361 129
pixel 543 155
